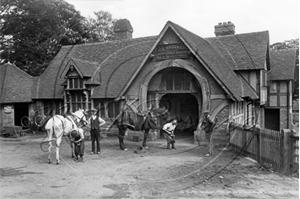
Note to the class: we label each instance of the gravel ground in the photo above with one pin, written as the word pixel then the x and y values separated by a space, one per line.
pixel 155 172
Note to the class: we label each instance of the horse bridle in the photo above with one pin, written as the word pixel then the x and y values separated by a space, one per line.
pixel 80 119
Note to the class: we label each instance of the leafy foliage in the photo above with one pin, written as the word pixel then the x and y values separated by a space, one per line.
pixel 33 31
pixel 101 27
pixel 293 43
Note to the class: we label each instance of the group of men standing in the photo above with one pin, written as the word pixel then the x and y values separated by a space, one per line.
pixel 207 124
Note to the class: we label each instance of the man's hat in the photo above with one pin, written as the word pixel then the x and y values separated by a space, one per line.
pixel 74 134
pixel 94 110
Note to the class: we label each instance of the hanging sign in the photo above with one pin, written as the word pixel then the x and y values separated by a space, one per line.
pixel 7 109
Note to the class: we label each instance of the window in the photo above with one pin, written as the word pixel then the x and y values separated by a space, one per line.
pixel 169 82
pixel 263 78
pixel 109 106
pixel 113 109
pixel 178 80
pixel 273 87
pixel 76 83
pixel 187 79
pixel 263 87
pixel 77 100
pixel 249 120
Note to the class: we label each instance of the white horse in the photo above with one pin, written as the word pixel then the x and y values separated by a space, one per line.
pixel 62 126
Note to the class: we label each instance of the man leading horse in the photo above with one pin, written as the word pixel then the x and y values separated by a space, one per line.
pixel 207 124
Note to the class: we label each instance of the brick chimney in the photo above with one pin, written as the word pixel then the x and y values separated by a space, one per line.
pixel 225 28
pixel 123 29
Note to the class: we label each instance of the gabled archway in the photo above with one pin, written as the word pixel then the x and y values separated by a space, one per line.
pixel 202 95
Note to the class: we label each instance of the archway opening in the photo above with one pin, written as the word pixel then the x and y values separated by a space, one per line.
pixel 184 107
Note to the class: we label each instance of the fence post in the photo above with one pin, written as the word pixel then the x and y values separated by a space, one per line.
pixel 284 151
pixel 244 140
pixel 294 144
pixel 257 134
pixel 291 155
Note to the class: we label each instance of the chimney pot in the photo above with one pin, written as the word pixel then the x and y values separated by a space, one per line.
pixel 123 29
pixel 224 28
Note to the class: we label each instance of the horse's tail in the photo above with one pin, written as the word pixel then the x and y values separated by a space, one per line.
pixel 49 135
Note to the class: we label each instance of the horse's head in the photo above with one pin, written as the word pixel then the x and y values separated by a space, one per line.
pixel 162 112
pixel 80 116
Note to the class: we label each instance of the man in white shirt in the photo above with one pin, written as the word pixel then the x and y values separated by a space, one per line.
pixel 168 130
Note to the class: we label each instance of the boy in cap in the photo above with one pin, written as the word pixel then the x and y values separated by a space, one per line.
pixel 168 130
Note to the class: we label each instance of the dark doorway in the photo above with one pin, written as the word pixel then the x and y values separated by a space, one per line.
pixel 184 107
pixel 21 110
pixel 272 119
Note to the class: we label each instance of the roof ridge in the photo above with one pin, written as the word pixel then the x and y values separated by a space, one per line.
pixel 240 34
pixel 17 68
pixel 286 49
pixel 114 41
pixel 84 61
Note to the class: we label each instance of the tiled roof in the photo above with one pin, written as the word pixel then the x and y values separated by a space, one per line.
pixel 84 67
pixel 49 85
pixel 117 69
pixel 112 65
pixel 247 51
pixel 15 84
pixel 216 64
pixel 109 55
pixel 283 64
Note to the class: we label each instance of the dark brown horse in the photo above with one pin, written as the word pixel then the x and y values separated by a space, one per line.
pixel 133 121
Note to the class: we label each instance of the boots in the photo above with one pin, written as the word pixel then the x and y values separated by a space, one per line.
pixel 168 145
pixel 173 145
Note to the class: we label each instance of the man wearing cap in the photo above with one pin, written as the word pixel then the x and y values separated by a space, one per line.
pixel 95 123
pixel 78 140
pixel 207 124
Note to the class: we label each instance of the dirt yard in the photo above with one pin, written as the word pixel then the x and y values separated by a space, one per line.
pixel 152 173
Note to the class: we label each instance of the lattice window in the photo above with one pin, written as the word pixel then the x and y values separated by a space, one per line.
pixel 77 100
pixel 76 83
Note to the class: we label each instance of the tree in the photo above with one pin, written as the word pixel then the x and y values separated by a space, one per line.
pixel 293 43
pixel 33 31
pixel 101 28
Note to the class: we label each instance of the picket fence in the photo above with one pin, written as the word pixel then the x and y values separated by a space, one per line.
pixel 279 150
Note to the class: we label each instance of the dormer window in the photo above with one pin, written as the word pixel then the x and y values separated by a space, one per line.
pixel 75 83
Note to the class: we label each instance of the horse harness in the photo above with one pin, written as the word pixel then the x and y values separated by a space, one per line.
pixel 208 124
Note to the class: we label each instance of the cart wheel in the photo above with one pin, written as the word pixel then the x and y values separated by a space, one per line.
pixel 25 121
pixel 39 120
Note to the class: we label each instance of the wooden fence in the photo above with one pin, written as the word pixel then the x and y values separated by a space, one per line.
pixel 278 149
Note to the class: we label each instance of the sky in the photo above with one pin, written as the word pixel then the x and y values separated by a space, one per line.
pixel 148 17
